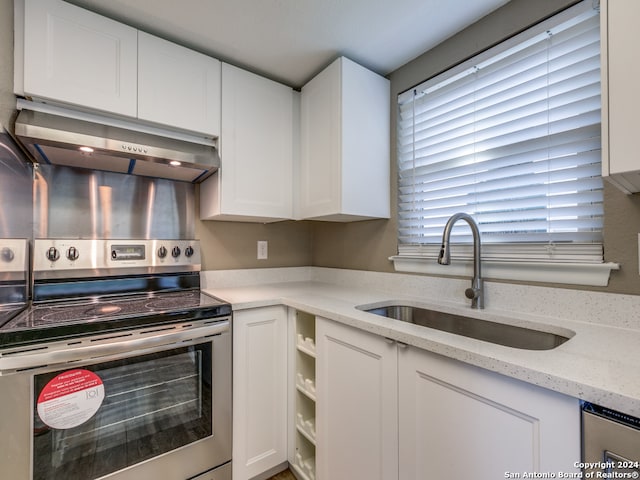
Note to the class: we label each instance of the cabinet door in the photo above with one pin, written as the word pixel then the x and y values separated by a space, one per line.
pixel 621 74
pixel 177 86
pixel 320 125
pixel 463 422
pixel 256 146
pixel 344 166
pixel 77 57
pixel 366 161
pixel 356 390
pixel 259 390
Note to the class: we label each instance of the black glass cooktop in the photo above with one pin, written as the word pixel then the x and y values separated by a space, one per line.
pixel 68 319
pixel 7 312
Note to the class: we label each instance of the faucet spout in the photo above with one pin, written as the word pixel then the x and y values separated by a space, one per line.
pixel 476 292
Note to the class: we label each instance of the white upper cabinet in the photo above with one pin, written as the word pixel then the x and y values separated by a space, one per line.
pixel 255 181
pixel 71 56
pixel 345 162
pixel 620 98
pixel 177 86
pixel 78 57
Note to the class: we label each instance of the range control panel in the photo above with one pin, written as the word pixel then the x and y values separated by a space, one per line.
pixel 78 257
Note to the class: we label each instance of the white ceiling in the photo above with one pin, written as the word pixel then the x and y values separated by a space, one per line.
pixel 292 40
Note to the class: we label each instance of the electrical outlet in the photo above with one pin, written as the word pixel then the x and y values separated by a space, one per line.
pixel 263 249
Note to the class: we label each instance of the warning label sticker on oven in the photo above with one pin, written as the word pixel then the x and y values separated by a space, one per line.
pixel 70 399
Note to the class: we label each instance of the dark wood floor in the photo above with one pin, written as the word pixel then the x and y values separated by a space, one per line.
pixel 286 475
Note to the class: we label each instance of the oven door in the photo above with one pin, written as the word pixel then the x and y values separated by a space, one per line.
pixel 153 404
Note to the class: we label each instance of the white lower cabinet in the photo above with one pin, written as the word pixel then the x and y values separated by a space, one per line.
pixel 463 422
pixel 259 390
pixel 357 433
pixel 341 403
pixel 389 411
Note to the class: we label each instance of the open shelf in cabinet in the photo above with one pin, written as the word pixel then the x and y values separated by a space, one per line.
pixel 306 375
pixel 305 459
pixel 303 456
pixel 306 418
pixel 306 334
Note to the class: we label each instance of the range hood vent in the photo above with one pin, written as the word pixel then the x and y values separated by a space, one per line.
pixel 61 140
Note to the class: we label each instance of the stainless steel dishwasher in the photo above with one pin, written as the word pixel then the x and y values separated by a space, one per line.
pixel 610 443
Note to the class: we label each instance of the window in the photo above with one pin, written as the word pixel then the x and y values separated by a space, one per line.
pixel 511 137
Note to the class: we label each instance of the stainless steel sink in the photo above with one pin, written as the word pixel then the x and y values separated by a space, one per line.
pixel 499 333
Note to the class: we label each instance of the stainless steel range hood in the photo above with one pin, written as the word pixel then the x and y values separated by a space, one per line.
pixel 60 140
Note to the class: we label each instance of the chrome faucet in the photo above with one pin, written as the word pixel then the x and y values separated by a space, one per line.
pixel 475 292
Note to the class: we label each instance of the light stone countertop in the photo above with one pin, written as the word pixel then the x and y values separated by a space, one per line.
pixel 598 364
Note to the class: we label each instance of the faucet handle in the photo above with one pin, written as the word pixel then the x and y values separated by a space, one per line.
pixel 475 293
pixel 472 293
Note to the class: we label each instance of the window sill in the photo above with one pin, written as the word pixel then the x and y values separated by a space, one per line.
pixel 591 274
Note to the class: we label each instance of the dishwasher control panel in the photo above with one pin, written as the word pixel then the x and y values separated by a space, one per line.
pixel 611 443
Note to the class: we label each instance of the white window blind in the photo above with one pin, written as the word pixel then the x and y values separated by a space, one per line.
pixel 511 137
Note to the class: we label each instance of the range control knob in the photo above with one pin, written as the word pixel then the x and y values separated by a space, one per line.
pixel 162 252
pixel 72 253
pixel 53 254
pixel 175 252
pixel 7 254
pixel 188 251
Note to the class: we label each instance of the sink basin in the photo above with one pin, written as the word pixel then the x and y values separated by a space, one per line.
pixel 499 333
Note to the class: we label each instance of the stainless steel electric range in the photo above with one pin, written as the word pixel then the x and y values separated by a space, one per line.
pixel 120 368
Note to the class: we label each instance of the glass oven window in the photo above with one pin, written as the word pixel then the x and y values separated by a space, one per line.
pixel 152 404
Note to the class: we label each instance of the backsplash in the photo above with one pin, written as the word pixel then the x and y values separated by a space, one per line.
pixel 78 203
pixel 16 199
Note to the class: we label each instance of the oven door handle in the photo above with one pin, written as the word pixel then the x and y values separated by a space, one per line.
pixel 147 340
